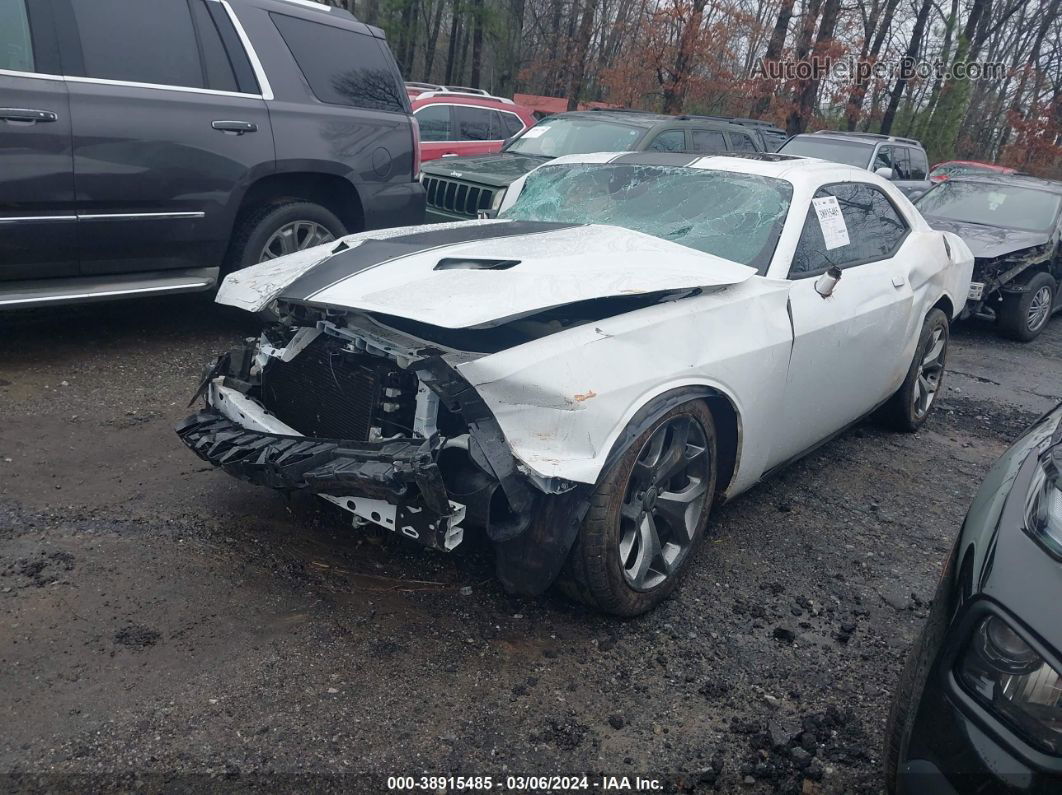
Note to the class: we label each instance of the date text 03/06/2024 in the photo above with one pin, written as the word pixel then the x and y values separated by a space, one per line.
pixel 515 783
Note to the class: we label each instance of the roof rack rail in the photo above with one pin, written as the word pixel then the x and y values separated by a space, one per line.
pixel 871 136
pixel 452 92
pixel 626 110
pixel 314 5
pixel 424 86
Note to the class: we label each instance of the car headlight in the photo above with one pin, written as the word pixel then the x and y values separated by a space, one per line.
pixel 1014 682
pixel 1043 517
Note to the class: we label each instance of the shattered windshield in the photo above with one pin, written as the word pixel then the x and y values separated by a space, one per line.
pixel 732 215
pixel 1008 206
pixel 575 136
pixel 849 153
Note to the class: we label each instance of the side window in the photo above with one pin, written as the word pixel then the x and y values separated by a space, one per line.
pixel 874 228
pixel 708 142
pixel 919 164
pixel 669 141
pixel 740 142
pixel 902 163
pixel 473 124
pixel 434 123
pixel 16 48
pixel 512 123
pixel 883 159
pixel 141 41
pixel 220 74
pixel 343 67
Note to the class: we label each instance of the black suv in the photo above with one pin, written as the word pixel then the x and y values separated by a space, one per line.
pixel 147 145
pixel 459 188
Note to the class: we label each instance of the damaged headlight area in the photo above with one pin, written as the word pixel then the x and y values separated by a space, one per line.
pixel 373 420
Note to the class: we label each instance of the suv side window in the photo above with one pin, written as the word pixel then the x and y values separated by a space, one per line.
pixel 511 123
pixel 919 164
pixel 901 163
pixel 140 41
pixel 16 48
pixel 875 231
pixel 473 124
pixel 884 159
pixel 708 142
pixel 740 142
pixel 343 67
pixel 434 123
pixel 669 141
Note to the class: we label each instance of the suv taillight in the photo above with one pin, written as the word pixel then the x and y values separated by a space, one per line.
pixel 416 147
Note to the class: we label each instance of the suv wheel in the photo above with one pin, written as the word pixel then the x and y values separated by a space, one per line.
pixel 647 516
pixel 279 229
pixel 1024 315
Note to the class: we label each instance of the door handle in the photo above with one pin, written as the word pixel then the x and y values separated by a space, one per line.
pixel 237 127
pixel 450 154
pixel 27 115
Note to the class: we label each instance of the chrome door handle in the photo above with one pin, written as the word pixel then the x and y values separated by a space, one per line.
pixel 237 127
pixel 28 115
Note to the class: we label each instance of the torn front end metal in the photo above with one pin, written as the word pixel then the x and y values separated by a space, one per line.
pixel 375 421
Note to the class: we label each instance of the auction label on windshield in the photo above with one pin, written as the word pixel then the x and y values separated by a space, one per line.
pixel 514 783
pixel 831 222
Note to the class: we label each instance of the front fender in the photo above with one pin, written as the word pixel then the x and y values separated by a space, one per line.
pixel 564 400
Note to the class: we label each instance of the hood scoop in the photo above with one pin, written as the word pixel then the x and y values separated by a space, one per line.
pixel 474 264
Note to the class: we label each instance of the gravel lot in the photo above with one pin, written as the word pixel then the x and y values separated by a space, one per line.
pixel 162 623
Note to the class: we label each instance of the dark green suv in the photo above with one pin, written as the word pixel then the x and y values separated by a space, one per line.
pixel 459 188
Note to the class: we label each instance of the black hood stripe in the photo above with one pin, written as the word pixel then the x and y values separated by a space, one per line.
pixel 371 253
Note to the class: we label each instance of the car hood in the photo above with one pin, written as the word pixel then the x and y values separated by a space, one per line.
pixel 989 242
pixel 497 170
pixel 479 273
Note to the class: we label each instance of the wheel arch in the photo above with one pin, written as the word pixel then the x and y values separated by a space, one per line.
pixel 332 191
pixel 946 305
pixel 725 415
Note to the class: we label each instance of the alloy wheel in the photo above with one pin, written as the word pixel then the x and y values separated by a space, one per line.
pixel 1039 308
pixel 666 496
pixel 930 373
pixel 295 236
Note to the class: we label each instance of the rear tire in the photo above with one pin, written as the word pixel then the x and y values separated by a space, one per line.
pixel 1022 316
pixel 909 407
pixel 279 229
pixel 647 516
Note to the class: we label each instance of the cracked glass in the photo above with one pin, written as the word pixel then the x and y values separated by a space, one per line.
pixel 729 214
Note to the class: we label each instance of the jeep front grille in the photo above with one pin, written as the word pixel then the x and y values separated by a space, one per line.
pixel 457 197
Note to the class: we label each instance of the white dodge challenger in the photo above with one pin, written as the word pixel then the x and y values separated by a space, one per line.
pixel 634 338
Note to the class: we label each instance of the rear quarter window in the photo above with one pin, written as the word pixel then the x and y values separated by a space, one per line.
pixel 343 67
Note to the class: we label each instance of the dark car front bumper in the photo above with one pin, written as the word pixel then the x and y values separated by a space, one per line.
pixel 402 472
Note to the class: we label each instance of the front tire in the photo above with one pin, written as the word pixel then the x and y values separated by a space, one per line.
pixel 1022 316
pixel 647 515
pixel 276 230
pixel 909 407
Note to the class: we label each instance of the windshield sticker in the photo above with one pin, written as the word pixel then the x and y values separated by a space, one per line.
pixel 834 230
pixel 536 131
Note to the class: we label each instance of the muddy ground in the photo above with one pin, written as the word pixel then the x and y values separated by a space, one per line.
pixel 164 624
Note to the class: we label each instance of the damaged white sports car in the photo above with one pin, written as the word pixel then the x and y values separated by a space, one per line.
pixel 634 338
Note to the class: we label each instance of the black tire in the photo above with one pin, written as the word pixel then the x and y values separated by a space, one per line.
pixel 257 227
pixel 595 573
pixel 904 410
pixel 912 681
pixel 1015 312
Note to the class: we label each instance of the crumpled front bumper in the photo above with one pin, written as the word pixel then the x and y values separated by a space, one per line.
pixel 401 472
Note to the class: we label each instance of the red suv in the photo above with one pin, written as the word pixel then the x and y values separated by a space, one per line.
pixel 464 121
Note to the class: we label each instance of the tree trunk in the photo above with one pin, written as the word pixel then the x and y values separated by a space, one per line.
pixel 1030 66
pixel 577 69
pixel 477 43
pixel 451 49
pixel 810 90
pixel 854 106
pixel 774 52
pixel 675 87
pixel 913 48
pixel 793 123
pixel 433 38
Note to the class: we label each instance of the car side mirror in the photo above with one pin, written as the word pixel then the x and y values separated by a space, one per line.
pixel 884 172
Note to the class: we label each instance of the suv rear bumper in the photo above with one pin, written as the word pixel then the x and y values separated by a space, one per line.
pixel 50 292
